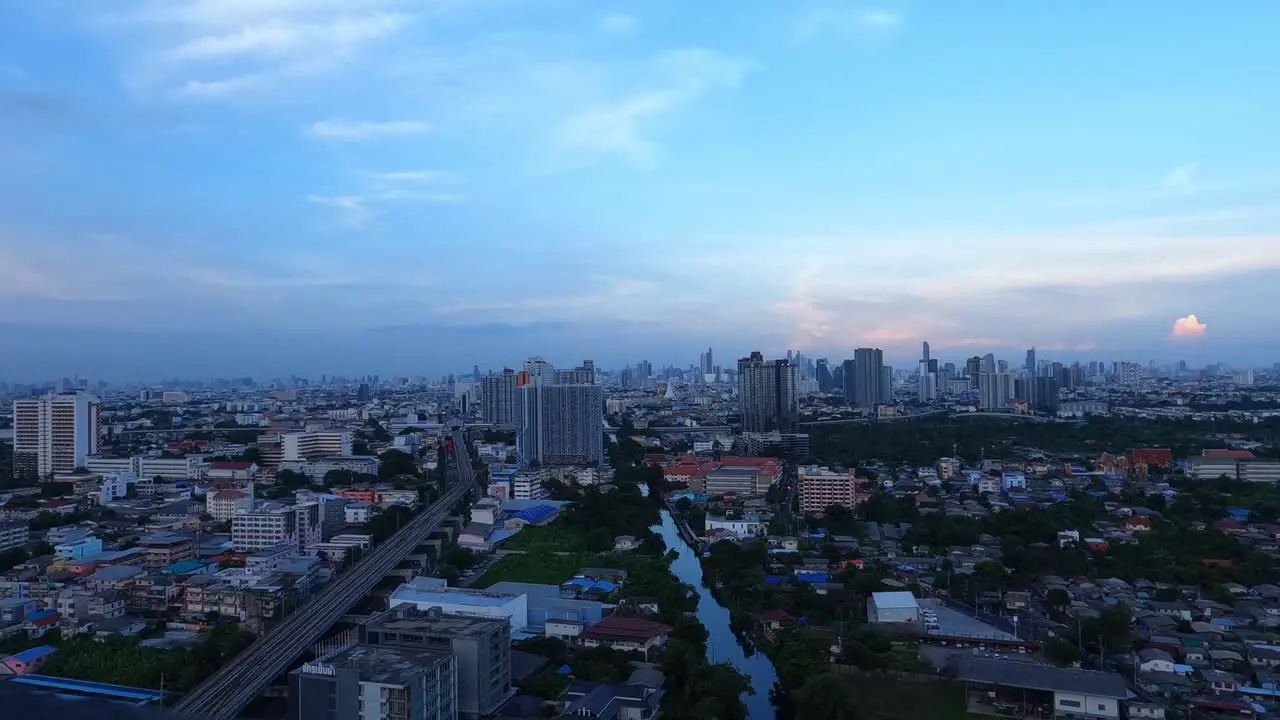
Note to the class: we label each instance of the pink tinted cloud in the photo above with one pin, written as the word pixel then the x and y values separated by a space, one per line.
pixel 1188 327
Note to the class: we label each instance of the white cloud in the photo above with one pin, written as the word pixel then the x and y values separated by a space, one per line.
pixel 621 127
pixel 1181 178
pixel 351 208
pixel 880 19
pixel 418 176
pixel 1188 327
pixel 824 18
pixel 347 130
pixel 619 25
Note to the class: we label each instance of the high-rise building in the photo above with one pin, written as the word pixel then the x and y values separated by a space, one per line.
pixel 822 374
pixel 538 367
pixel 481 645
pixel 994 390
pixel 972 369
pixel 1030 364
pixel 925 355
pixel 54 434
pixel 560 424
pixel 768 395
pixel 928 389
pixel 988 364
pixel 584 375
pixel 870 386
pixel 376 681
pixel 706 365
pixel 498 402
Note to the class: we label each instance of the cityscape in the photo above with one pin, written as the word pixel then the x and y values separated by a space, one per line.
pixel 622 360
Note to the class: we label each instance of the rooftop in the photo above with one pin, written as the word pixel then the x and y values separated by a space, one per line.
pixel 901 599
pixel 409 618
pixel 386 664
pixel 1032 676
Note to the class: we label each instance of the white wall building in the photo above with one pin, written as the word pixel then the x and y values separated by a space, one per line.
pixel 748 526
pixel 299 446
pixel 114 486
pixel 893 607
pixel 54 434
pixel 294 525
pixel 225 503
pixel 425 593
pixel 821 487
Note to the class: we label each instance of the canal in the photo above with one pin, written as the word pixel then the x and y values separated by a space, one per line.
pixel 722 645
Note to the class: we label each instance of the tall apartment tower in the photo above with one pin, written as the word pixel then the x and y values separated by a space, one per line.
pixel 768 395
pixel 560 424
pixel 584 375
pixel 54 434
pixel 870 387
pixel 498 400
pixel 994 390
pixel 1030 364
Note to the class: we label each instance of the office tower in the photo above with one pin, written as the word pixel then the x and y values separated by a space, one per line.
pixel 1002 366
pixel 886 384
pixel 994 390
pixel 1030 364
pixel 928 389
pixel 475 373
pixel 988 364
pixel 837 379
pixel 584 375
pixel 560 424
pixel 376 681
pixel 870 387
pixel 480 645
pixel 363 393
pixel 54 434
pixel 706 364
pixel 1046 394
pixel 539 369
pixel 498 398
pixel 973 369
pixel 823 376
pixel 849 378
pixel 768 395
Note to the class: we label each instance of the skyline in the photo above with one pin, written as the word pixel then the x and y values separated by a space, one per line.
pixel 326 185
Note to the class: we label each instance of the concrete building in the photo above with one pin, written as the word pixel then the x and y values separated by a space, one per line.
pixel 995 390
pixel 304 446
pixel 768 395
pixel 893 607
pixel 865 378
pixel 166 549
pixel 426 593
pixel 295 525
pixel 499 403
pixel 225 503
pixel 481 646
pixel 560 424
pixel 371 682
pixel 54 434
pixel 1263 471
pixel 820 488
pixel 13 535
pixel 1071 692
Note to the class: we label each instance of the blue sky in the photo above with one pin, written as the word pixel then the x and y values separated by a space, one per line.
pixel 626 180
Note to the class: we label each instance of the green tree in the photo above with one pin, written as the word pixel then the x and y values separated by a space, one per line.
pixel 396 462
pixel 826 697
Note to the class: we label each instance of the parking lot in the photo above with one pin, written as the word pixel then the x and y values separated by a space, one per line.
pixel 955 623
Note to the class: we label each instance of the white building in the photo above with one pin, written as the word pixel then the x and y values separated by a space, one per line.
pixel 425 593
pixel 357 513
pixel 54 434
pixel 893 607
pixel 294 525
pixel 300 446
pixel 225 503
pixel 748 526
pixel 114 486
pixel 191 467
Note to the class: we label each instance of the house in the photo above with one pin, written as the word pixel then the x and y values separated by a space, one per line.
pixel 625 543
pixel 27 661
pixel 638 698
pixel 1138 523
pixel 1144 710
pixel 1155 660
pixel 1070 691
pixel 628 634
pixel 1220 682
pixel 124 626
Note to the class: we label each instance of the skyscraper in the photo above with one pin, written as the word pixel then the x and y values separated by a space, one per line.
pixel 767 394
pixel 928 388
pixel 972 369
pixel 560 424
pixel 584 375
pixel 706 365
pixel 822 374
pixel 54 434
pixel 498 401
pixel 994 390
pixel 925 355
pixel 1030 364
pixel 870 386
pixel 988 363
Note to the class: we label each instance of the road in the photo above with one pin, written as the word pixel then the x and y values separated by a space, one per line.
pixel 222 695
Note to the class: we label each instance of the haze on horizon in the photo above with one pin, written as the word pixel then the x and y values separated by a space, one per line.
pixel 227 187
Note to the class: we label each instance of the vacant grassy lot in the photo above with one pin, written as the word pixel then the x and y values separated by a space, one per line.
pixel 881 698
pixel 542 567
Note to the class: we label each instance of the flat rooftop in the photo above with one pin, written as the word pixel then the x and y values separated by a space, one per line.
pixel 407 618
pixel 386 664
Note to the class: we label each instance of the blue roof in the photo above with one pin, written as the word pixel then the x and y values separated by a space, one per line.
pixel 775 580
pixel 41 614
pixel 813 577
pixel 535 513
pixel 85 686
pixel 34 653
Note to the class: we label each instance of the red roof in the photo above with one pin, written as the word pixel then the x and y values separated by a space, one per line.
pixel 1151 456
pixel 616 627
pixel 231 466
pixel 1233 454
pixel 229 494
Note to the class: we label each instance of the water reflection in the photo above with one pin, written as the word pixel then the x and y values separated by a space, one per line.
pixel 722 646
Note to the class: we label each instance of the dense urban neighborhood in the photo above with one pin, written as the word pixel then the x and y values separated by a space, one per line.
pixel 1089 540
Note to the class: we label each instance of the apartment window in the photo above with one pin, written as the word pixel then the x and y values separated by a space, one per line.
pixel 1068 703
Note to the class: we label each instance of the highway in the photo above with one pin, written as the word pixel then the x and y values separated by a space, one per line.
pixel 222 695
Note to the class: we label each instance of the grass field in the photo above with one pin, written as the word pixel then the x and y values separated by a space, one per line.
pixel 542 567
pixel 882 698
pixel 556 536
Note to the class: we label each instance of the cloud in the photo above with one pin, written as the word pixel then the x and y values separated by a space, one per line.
pixel 351 208
pixel 1188 327
pixel 621 128
pixel 418 176
pixel 862 22
pixel 1181 178
pixel 619 25
pixel 346 131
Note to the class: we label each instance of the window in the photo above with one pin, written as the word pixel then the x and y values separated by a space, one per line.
pixel 1101 706
pixel 1068 703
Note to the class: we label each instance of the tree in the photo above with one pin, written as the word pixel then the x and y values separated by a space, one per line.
pixel 396 462
pixel 825 697
pixel 252 454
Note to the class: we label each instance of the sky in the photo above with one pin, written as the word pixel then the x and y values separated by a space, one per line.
pixel 267 186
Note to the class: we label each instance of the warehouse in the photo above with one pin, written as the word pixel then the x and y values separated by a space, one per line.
pixel 893 607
